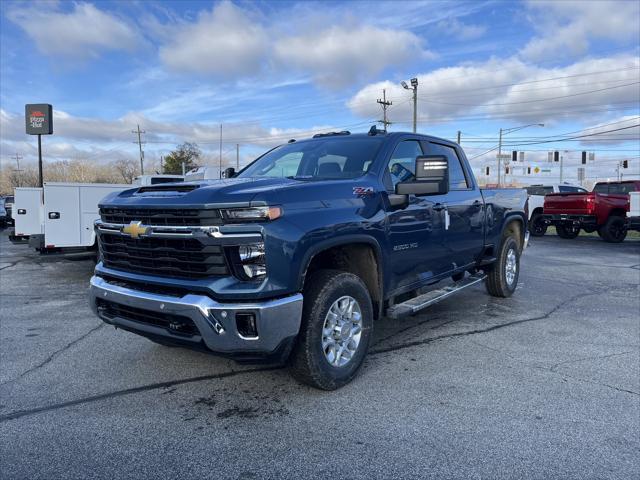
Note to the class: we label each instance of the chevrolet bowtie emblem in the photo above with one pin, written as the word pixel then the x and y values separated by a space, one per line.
pixel 135 229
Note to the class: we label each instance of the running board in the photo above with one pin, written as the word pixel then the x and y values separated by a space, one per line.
pixel 425 300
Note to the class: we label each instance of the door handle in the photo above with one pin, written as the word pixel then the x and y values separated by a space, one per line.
pixel 439 207
pixel 54 215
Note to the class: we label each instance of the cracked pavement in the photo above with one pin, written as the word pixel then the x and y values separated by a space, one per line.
pixel 545 384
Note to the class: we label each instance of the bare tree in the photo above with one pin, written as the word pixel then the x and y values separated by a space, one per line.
pixel 127 168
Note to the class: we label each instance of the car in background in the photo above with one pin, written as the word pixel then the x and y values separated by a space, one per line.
pixel 537 224
pixel 633 219
pixel 8 206
pixel 603 210
pixel 3 214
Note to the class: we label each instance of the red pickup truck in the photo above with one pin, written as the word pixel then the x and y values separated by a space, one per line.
pixel 603 210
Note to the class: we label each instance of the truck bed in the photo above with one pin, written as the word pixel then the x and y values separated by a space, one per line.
pixel 571 203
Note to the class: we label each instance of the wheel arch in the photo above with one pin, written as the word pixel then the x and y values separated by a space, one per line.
pixel 354 254
pixel 514 224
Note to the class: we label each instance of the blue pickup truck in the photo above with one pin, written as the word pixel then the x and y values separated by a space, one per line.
pixel 293 258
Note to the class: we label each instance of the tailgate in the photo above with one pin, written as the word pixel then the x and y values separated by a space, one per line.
pixel 575 203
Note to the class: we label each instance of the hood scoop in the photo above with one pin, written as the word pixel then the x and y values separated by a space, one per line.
pixel 166 190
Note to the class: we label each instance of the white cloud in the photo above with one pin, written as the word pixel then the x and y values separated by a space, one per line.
pixel 232 42
pixel 341 54
pixel 225 42
pixel 106 140
pixel 486 88
pixel 565 27
pixel 82 33
pixel 455 28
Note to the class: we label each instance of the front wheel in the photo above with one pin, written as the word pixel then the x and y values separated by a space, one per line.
pixel 337 323
pixel 537 226
pixel 614 230
pixel 502 279
pixel 567 231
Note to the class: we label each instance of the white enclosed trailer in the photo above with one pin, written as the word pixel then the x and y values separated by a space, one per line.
pixel 145 180
pixel 29 213
pixel 69 212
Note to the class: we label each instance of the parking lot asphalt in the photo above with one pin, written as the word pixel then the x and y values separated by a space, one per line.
pixel 545 384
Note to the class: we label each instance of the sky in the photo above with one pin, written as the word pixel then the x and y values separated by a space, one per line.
pixel 271 71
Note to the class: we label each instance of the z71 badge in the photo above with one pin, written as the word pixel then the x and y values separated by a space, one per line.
pixel 362 191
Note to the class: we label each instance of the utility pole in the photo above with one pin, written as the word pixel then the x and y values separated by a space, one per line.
pixel 18 171
pixel 161 167
pixel 561 166
pixel 220 168
pixel 139 142
pixel 237 156
pixel 459 134
pixel 499 155
pixel 384 104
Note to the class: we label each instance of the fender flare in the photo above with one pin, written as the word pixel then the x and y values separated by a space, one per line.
pixel 336 242
pixel 514 217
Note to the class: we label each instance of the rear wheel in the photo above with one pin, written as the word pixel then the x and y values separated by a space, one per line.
pixel 567 231
pixel 337 323
pixel 614 230
pixel 502 279
pixel 537 227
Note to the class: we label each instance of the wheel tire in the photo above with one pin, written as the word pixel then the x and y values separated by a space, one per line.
pixel 498 282
pixel 537 227
pixel 567 231
pixel 308 362
pixel 614 230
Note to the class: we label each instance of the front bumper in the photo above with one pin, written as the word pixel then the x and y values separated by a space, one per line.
pixel 172 319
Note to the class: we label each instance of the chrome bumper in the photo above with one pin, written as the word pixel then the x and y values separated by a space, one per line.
pixel 277 320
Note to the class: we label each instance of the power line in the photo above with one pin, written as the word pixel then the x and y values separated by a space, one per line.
pixel 532 101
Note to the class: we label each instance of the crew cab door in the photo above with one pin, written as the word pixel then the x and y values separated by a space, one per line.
pixel 464 213
pixel 415 231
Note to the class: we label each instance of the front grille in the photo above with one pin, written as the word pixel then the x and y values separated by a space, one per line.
pixel 182 217
pixel 174 323
pixel 173 257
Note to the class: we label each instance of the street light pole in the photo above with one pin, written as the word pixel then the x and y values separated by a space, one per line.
pixel 499 156
pixel 505 131
pixel 414 87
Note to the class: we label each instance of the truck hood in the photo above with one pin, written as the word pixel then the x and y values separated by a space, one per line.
pixel 203 193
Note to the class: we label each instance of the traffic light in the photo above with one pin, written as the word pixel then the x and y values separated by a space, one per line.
pixel 528 170
pixel 486 171
pixel 514 156
pixel 625 164
pixel 584 158
pixel 556 156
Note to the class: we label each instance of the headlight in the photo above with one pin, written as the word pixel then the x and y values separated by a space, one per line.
pixel 251 214
pixel 250 263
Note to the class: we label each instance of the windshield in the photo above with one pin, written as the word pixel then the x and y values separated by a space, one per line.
pixel 325 158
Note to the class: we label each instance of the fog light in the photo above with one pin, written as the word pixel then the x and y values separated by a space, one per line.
pixel 252 264
pixel 246 324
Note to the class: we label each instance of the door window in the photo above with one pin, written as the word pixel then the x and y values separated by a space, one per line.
pixel 457 178
pixel 402 166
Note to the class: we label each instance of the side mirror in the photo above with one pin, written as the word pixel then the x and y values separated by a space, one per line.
pixel 229 172
pixel 431 178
